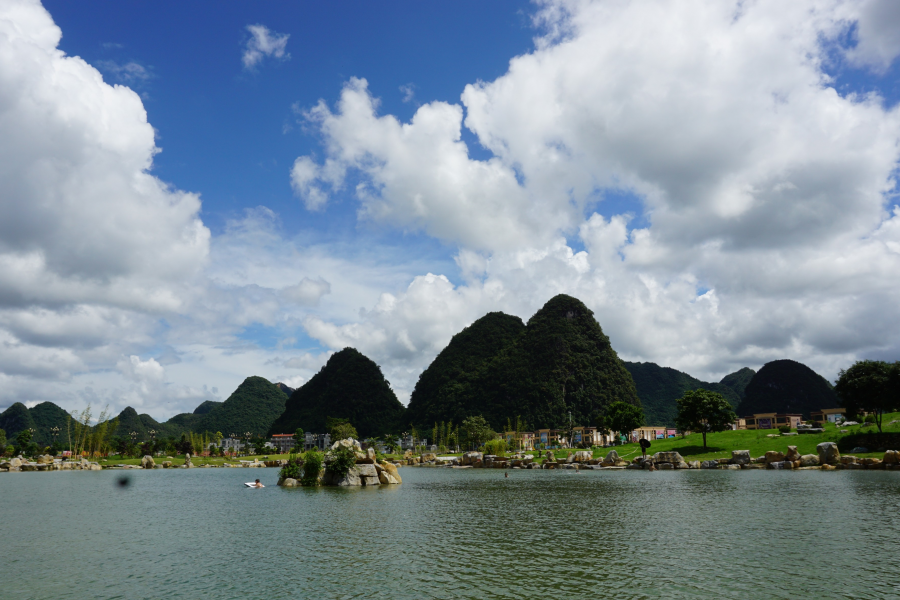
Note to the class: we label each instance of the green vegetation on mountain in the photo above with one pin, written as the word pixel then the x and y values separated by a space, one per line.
pixel 16 418
pixel 561 363
pixel 786 386
pixel 738 381
pixel 350 386
pixel 46 416
pixel 253 407
pixel 659 389
pixel 447 388
pixel 206 406
pixel 130 421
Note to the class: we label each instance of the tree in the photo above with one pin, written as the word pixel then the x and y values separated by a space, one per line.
pixel 623 417
pixel 340 429
pixel 299 439
pixel 2 439
pixel 476 431
pixel 23 442
pixel 870 385
pixel 704 411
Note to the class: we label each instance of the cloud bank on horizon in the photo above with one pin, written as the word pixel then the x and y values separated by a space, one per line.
pixel 759 221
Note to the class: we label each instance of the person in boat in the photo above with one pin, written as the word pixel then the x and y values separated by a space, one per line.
pixel 258 484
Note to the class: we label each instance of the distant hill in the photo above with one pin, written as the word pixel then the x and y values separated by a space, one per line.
pixel 561 362
pixel 206 407
pixel 787 386
pixel 738 380
pixel 349 386
pixel 445 389
pixel 660 387
pixel 252 407
pixel 14 419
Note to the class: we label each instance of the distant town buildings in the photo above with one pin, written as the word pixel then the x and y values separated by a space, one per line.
pixel 772 421
pixel 831 415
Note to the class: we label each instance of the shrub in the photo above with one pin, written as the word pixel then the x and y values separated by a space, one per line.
pixel 292 470
pixel 496 447
pixel 312 465
pixel 869 419
pixel 784 428
pixel 342 460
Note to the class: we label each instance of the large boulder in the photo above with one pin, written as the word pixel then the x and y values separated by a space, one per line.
pixel 367 458
pixel 44 459
pixel 366 470
pixel 740 457
pixel 347 443
pixel 350 479
pixel 470 458
pixel 828 453
pixel 289 482
pixel 709 464
pixel 792 454
pixel 549 456
pixel 809 460
pixel 582 456
pixel 429 457
pixel 612 457
pixel 667 457
pixel 774 456
pixel 389 474
pixel 891 457
pixel 147 462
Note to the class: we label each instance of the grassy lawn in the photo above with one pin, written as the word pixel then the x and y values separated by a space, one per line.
pixel 720 445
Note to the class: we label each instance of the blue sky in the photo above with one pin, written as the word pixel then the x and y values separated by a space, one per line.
pixel 715 180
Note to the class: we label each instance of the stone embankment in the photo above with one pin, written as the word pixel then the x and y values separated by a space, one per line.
pixel 47 463
pixel 827 458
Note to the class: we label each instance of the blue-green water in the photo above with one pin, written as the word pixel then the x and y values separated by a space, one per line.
pixel 452 534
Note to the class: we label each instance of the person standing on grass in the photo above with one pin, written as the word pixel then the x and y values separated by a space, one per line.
pixel 645 443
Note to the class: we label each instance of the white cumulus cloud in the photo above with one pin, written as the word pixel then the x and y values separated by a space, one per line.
pixel 264 42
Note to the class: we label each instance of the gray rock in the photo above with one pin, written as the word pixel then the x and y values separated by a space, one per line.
pixel 775 465
pixel 667 457
pixel 740 457
pixel 366 470
pixel 809 460
pixel 709 464
pixel 147 462
pixel 828 453
pixel 368 480
pixel 289 482
pixel 792 454
pixel 612 457
pixel 859 450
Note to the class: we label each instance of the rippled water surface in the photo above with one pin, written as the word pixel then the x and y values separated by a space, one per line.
pixel 452 534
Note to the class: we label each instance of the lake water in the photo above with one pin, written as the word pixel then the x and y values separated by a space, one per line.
pixel 452 534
